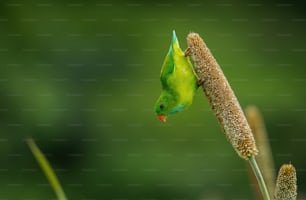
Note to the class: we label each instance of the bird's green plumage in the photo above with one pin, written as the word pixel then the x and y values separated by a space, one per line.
pixel 179 82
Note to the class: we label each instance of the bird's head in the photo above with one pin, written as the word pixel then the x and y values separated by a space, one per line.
pixel 162 109
pixel 167 105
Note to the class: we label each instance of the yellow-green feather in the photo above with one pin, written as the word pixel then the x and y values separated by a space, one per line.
pixel 178 79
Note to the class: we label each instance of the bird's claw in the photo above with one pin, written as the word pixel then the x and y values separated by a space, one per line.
pixel 201 81
pixel 187 52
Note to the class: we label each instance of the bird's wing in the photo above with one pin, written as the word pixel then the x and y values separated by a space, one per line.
pixel 169 62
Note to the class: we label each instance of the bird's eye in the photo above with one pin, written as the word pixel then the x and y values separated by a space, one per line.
pixel 161 106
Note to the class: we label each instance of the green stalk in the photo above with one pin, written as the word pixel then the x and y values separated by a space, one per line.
pixel 260 180
pixel 47 169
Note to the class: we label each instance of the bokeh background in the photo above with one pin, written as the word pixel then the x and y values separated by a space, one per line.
pixel 81 79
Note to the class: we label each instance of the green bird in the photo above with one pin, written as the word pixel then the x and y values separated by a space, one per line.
pixel 179 82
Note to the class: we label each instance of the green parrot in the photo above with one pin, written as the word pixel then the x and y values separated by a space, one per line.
pixel 179 82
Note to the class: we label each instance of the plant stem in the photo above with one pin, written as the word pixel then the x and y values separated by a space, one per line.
pixel 221 97
pixel 224 104
pixel 47 169
pixel 260 180
pixel 265 158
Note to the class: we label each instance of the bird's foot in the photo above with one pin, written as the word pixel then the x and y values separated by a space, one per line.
pixel 201 81
pixel 187 52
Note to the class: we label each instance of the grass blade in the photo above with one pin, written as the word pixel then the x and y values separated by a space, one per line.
pixel 47 169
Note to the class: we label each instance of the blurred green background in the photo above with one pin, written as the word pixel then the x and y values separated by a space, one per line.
pixel 81 78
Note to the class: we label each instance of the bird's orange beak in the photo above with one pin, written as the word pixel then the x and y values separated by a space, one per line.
pixel 162 118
